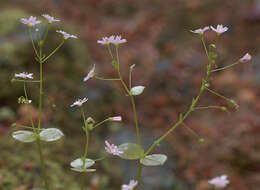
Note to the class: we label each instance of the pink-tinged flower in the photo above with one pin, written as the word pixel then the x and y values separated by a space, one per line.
pixel 117 40
pixel 112 149
pixel 90 74
pixel 247 57
pixel 116 118
pixel 219 182
pixel 220 29
pixel 90 119
pixel 66 35
pixel 24 75
pixel 79 102
pixel 106 40
pixel 130 186
pixel 31 21
pixel 200 30
pixel 50 18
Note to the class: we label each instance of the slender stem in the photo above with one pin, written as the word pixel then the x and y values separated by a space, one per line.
pixel 134 110
pixel 136 122
pixel 100 78
pixel 30 34
pixel 86 147
pixel 41 94
pixel 102 158
pixel 17 80
pixel 100 123
pixel 109 51
pixel 191 108
pixel 26 97
pixel 42 164
pixel 191 130
pixel 46 33
pixel 218 94
pixel 140 168
pixel 130 78
pixel 53 52
pixel 222 68
pixel 39 121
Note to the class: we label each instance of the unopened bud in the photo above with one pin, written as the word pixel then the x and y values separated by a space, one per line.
pixel 201 140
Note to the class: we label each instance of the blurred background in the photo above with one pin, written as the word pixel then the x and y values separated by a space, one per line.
pixel 170 62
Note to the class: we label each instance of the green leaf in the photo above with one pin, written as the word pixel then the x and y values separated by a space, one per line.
pixel 83 170
pixel 78 163
pixel 137 90
pixel 51 134
pixel 24 136
pixel 130 151
pixel 154 160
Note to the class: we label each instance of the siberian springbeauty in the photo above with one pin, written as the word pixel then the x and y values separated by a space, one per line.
pixel 144 156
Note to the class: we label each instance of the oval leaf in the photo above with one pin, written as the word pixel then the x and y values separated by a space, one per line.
pixel 137 90
pixel 78 163
pixel 154 160
pixel 83 170
pixel 130 151
pixel 24 136
pixel 51 134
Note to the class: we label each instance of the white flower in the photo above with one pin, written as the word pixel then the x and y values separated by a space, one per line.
pixel 66 35
pixel 117 40
pixel 116 118
pixel 220 181
pixel 112 39
pixel 220 29
pixel 200 30
pixel 106 40
pixel 112 149
pixel 31 21
pixel 90 74
pixel 137 90
pixel 24 75
pixel 50 18
pixel 79 102
pixel 130 186
pixel 247 57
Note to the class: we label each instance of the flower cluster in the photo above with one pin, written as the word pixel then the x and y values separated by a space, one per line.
pixel 66 35
pixel 132 184
pixel 24 75
pixel 79 102
pixel 219 29
pixel 90 74
pixel 219 182
pixel 112 39
pixel 50 18
pixel 31 21
pixel 112 149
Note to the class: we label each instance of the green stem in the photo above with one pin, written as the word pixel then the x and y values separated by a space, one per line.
pixel 191 108
pixel 100 78
pixel 134 111
pixel 191 130
pixel 53 52
pixel 222 68
pixel 17 80
pixel 39 121
pixel 136 122
pixel 100 123
pixel 26 97
pixel 31 37
pixel 140 168
pixel 217 94
pixel 109 51
pixel 86 147
pixel 42 164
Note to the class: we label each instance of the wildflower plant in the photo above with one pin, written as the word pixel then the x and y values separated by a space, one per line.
pixel 36 132
pixel 128 150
